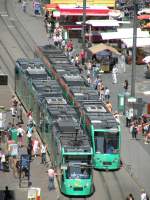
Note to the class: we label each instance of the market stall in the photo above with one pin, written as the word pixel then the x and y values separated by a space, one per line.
pixel 104 56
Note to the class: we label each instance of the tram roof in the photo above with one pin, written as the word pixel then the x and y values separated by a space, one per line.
pixel 75 80
pixel 50 49
pixel 103 120
pixel 24 63
pixel 60 61
pixel 61 111
pixel 55 100
pixel 46 85
pixel 71 137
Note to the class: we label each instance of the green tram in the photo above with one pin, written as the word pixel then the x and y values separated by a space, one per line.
pixel 58 126
pixel 74 158
pixel 105 135
pixel 77 93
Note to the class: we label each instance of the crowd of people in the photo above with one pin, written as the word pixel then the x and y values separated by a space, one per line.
pixel 23 135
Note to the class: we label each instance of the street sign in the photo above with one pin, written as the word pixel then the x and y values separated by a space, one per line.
pixel 132 100
pixel 34 193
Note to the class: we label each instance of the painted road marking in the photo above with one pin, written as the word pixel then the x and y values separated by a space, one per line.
pixel 10 26
pixel 4 15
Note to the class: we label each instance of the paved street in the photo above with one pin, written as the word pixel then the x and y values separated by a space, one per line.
pixel 135 154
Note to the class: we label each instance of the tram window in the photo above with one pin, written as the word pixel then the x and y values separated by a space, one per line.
pixel 106 142
pixel 99 144
pixel 78 167
pixel 77 172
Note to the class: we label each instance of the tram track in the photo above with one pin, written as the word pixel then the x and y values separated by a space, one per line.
pixel 19 42
pixel 106 187
pixel 13 35
pixel 6 68
pixel 9 19
pixel 28 41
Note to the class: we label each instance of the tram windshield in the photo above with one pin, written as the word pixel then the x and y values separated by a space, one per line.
pixel 78 167
pixel 106 142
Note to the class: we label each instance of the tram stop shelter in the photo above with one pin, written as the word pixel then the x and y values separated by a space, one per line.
pixel 103 55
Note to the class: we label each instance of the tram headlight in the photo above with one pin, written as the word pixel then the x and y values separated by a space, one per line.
pixel 86 185
pixel 69 185
pixel 115 160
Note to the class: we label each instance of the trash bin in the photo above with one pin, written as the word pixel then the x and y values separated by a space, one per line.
pixel 14 134
pixel 121 103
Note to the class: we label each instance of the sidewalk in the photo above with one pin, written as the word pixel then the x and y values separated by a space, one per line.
pixel 38 172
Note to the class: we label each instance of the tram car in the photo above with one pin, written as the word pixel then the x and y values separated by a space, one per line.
pixel 105 135
pixel 58 125
pixel 72 156
pixel 77 92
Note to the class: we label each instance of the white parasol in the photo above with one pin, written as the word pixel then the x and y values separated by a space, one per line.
pixel 147 59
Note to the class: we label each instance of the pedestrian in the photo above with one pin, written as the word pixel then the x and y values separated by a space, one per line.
pixel 14 167
pixel 107 94
pixel 29 149
pixel 144 196
pixel 43 153
pixel 147 134
pixel 19 114
pixel 125 86
pixel 29 114
pixel 20 134
pixel 51 175
pixel 82 56
pixel 123 63
pixel 29 132
pixel 77 60
pixel 130 197
pixel 13 133
pixel 114 74
pixel 7 194
pixel 128 118
pixel 3 160
pixel 134 131
pixel 97 82
pixel 89 81
pixel 117 117
pixel 30 118
pixel 0 159
pixel 109 106
pixel 13 108
pixel 63 44
pixel 24 6
pixel 102 91
pixel 35 147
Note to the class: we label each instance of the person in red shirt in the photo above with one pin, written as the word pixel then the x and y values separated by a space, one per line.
pixel 82 56
pixel 70 45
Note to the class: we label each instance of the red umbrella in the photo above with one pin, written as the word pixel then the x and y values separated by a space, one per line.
pixel 141 17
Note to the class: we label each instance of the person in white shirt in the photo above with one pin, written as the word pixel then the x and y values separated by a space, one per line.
pixel 89 80
pixel 20 133
pixel 143 195
pixel 107 94
pixel 43 153
pixel 114 74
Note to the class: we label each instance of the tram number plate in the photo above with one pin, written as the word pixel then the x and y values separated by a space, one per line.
pixel 78 189
pixel 107 163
